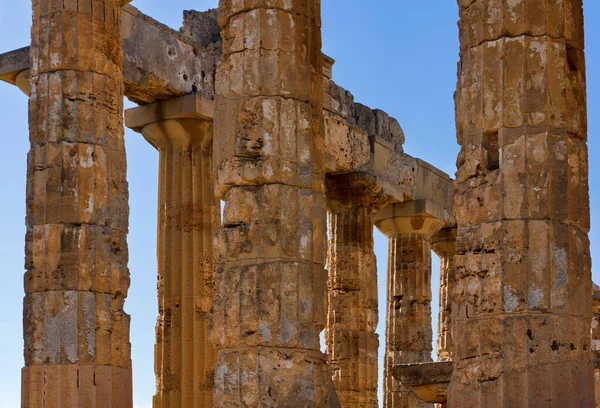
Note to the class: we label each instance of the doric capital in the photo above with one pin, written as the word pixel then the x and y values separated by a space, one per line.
pixel 444 242
pixel 178 132
pixel 412 217
pixel 352 190
pixel 182 121
pixel 192 106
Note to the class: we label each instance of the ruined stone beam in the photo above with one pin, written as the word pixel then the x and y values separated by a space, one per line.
pixel 429 381
pixel 158 62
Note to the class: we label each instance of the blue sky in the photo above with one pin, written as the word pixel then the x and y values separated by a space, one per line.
pixel 395 55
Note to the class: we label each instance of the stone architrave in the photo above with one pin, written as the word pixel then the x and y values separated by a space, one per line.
pixel 521 305
pixel 77 350
pixel 444 246
pixel 352 318
pixel 270 298
pixel 181 130
pixel 409 227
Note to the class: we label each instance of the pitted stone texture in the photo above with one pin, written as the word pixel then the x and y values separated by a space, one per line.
pixel 69 327
pixel 203 28
pixel 520 302
pixel 489 100
pixel 273 378
pixel 76 36
pixel 351 132
pixel 272 143
pixel 252 229
pixel 270 303
pixel 352 317
pixel 487 20
pixel 77 211
pixel 187 221
pixel 161 63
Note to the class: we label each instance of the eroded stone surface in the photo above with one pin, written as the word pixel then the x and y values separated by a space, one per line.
pixel 270 154
pixel 521 303
pixel 352 318
pixel 516 295
pixel 429 381
pixel 161 63
pixel 77 350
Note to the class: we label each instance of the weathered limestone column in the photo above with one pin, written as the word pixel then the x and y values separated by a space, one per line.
pixel 444 245
pixel 269 152
pixel 77 351
pixel 188 217
pixel 352 318
pixel 521 308
pixel 409 227
pixel 596 341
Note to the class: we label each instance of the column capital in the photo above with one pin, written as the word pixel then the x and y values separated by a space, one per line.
pixel 182 121
pixel 421 217
pixel 352 190
pixel 443 242
pixel 178 132
pixel 22 81
pixel 192 106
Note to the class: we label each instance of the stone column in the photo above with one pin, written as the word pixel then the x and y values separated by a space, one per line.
pixel 269 151
pixel 409 227
pixel 77 351
pixel 444 245
pixel 596 342
pixel 188 217
pixel 352 318
pixel 521 310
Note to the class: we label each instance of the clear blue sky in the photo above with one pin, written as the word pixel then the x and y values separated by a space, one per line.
pixel 399 56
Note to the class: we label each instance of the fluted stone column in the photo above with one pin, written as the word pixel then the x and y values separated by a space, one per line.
pixel 187 221
pixel 352 318
pixel 409 227
pixel 77 351
pixel 444 245
pixel 522 309
pixel 269 152
pixel 188 217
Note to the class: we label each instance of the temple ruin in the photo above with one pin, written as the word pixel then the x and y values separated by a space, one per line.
pixel 242 109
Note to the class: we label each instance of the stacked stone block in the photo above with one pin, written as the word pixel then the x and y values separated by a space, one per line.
pixel 77 350
pixel 269 152
pixel 521 308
